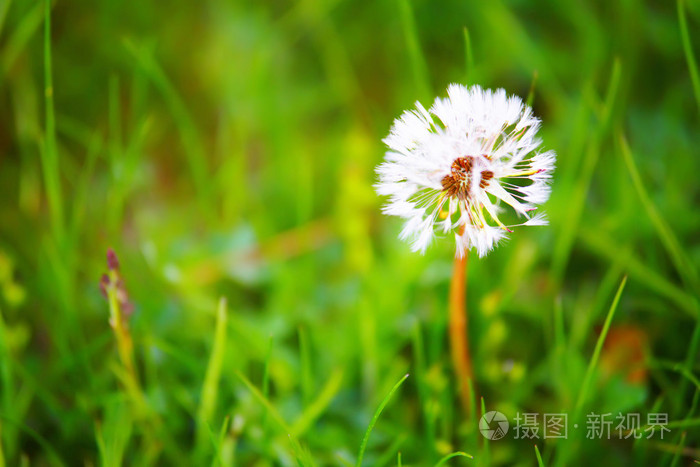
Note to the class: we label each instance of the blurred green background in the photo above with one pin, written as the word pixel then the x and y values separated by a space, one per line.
pixel 227 149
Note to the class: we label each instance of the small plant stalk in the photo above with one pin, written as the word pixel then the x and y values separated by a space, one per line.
pixel 125 344
pixel 458 328
pixel 120 310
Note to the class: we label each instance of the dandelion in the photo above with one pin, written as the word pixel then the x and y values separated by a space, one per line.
pixel 454 169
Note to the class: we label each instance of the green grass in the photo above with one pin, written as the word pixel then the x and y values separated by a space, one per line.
pixel 595 358
pixel 375 417
pixel 49 150
pixel 226 151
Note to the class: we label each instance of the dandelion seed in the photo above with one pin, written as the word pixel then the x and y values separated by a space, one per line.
pixel 452 168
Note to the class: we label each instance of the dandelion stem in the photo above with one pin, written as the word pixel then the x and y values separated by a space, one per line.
pixel 459 344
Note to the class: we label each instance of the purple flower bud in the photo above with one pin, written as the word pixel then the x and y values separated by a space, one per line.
pixel 112 261
pixel 114 283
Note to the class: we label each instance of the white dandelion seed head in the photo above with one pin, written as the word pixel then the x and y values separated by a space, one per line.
pixel 455 167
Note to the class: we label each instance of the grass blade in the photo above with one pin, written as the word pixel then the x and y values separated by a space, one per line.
pixel 531 93
pixel 423 389
pixel 266 379
pixel 453 455
pixel 51 453
pixel 113 434
pixel 307 381
pixel 688 50
pixel 219 443
pixel 386 400
pixel 8 386
pixel 565 243
pixel 81 190
pixel 485 458
pixel 468 56
pixel 4 6
pixel 266 394
pixel 266 403
pixel 415 54
pixel 49 152
pixel 599 243
pixel 677 455
pixel 588 378
pixel 687 423
pixel 316 408
pixel 20 37
pixel 193 146
pixel 680 260
pixel 210 388
pixel 301 453
pixel 539 457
